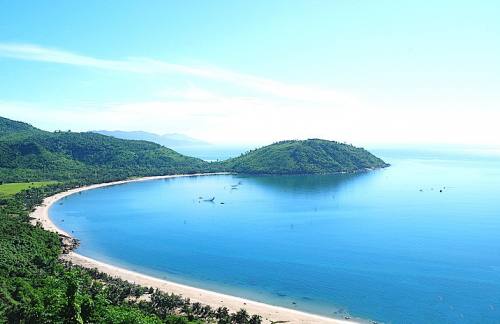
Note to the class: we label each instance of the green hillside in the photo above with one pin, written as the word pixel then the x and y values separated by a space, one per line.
pixel 29 154
pixel 304 157
pixel 8 126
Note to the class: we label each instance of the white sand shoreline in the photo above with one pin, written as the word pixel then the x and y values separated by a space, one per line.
pixel 268 312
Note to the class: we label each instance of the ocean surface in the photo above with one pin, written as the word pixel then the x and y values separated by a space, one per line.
pixel 418 242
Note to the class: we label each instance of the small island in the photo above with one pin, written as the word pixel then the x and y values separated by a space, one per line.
pixel 312 156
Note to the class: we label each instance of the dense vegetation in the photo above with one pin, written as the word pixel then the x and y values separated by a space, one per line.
pixel 30 154
pixel 304 157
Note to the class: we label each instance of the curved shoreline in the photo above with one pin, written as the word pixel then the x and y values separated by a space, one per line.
pixel 268 312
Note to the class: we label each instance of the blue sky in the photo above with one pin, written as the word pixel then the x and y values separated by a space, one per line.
pixel 365 72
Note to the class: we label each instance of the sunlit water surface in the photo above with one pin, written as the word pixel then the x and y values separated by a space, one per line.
pixel 418 242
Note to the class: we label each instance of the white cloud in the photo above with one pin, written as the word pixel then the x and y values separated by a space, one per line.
pixel 284 111
pixel 280 89
pixel 32 52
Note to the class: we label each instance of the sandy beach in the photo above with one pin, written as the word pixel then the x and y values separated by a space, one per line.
pixel 268 312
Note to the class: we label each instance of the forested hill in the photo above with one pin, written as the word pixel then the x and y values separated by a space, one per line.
pixel 29 154
pixel 304 157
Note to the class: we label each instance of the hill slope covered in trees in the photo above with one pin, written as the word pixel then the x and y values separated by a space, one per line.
pixel 28 154
pixel 304 157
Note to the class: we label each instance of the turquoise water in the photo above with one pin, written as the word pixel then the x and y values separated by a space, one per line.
pixel 418 242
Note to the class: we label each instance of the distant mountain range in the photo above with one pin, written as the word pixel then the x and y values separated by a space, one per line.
pixel 168 140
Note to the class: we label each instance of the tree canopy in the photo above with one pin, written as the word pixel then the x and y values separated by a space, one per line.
pixel 311 156
pixel 31 154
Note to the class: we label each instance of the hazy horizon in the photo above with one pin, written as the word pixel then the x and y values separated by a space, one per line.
pixel 254 73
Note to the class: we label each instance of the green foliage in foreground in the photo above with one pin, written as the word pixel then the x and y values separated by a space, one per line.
pixel 35 287
pixel 304 157
pixel 10 189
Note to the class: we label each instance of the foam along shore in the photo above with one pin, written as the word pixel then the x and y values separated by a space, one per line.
pixel 268 312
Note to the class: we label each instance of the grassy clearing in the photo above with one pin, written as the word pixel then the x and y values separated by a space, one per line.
pixel 10 189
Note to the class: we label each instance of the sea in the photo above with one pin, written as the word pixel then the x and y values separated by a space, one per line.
pixel 417 242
